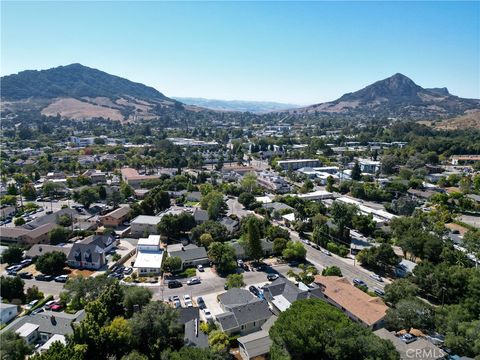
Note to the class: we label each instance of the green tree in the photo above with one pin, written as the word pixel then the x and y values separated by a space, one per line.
pixel 115 198
pixel 51 263
pixel 246 199
pixel 356 172
pixel 126 190
pixel 223 256
pixel 334 335
pixel 80 290
pixel 86 196
pixel 382 257
pixel 191 353
pixel 51 189
pixel 29 192
pixel 294 251
pixel 400 289
pixel 33 294
pixel 14 347
pixel 12 288
pixel 135 295
pixel 65 220
pixel 116 337
pixel 306 276
pixel 12 255
pixel 409 313
pixel 214 228
pixel 235 281
pixel 332 271
pixel 156 328
pixel 134 355
pixel 275 232
pixel 471 241
pixel 59 351
pixel 249 182
pixel 206 239
pixel 330 184
pixel 218 342
pixel 19 221
pixel 172 264
pixel 162 200
pixel 343 215
pixel 214 203
pixel 279 245
pixel 254 248
pixel 58 235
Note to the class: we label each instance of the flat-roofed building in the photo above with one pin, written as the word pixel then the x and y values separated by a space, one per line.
pixel 149 256
pixel 295 164
pixel 144 224
pixel 134 179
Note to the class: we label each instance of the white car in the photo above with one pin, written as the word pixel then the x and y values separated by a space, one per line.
pixel 31 304
pixel 187 300
pixel 193 281
pixel 376 277
pixel 200 268
pixel 208 315
pixel 326 252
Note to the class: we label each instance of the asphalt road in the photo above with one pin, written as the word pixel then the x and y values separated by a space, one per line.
pixel 349 270
pixel 211 283
pixel 47 287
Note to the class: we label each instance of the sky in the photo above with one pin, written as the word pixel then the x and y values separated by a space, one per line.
pixel 295 52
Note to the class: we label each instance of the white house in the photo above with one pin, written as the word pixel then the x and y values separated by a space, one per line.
pixel 7 312
pixel 149 256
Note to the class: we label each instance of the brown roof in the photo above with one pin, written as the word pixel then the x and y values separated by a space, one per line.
pixel 20 231
pixel 119 213
pixel 129 172
pixel 363 306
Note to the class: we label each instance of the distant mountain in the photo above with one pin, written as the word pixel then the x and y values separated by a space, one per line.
pixel 236 105
pixel 79 92
pixel 398 97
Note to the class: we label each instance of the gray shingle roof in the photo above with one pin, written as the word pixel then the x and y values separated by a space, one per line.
pixel 256 344
pixel 193 336
pixel 189 254
pixel 227 320
pixel 284 287
pixel 235 296
pixel 253 311
pixel 48 322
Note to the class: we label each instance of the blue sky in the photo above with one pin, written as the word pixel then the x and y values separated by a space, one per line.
pixel 299 52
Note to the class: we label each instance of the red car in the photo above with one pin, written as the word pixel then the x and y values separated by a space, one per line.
pixel 56 307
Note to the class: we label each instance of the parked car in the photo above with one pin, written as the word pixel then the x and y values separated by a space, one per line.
pixel 379 292
pixel 272 277
pixel 26 262
pixel 408 338
pixel 193 281
pixel 254 290
pixel 49 304
pixel 177 304
pixel 187 300
pixel 38 311
pixel 174 284
pixel 208 315
pixel 43 277
pixel 56 307
pixel 25 275
pixel 359 282
pixel 326 252
pixel 200 268
pixel 31 304
pixel 376 277
pixel 61 278
pixel 128 270
pixel 175 298
pixel 201 303
pixel 293 263
pixel 240 263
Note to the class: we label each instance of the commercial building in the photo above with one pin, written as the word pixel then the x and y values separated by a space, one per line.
pixel 134 179
pixel 295 164
pixel 273 182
